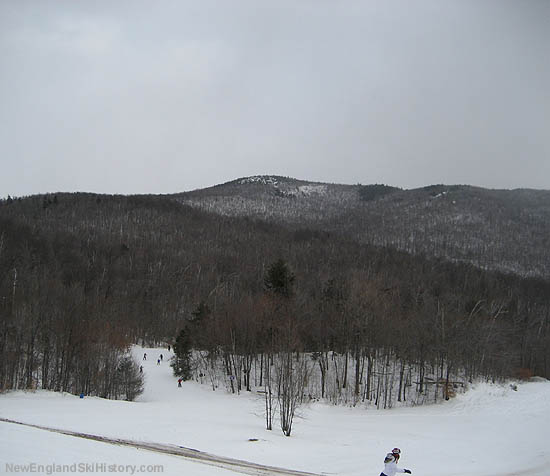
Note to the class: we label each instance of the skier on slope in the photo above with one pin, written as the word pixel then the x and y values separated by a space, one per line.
pixel 396 452
pixel 390 464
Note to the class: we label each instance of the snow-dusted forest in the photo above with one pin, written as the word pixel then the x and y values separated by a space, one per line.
pixel 84 276
pixel 502 230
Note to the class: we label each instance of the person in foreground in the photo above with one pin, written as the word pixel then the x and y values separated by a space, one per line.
pixel 390 464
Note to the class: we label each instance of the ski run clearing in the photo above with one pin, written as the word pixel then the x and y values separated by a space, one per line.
pixel 491 430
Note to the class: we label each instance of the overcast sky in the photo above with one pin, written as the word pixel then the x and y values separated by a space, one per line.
pixel 167 96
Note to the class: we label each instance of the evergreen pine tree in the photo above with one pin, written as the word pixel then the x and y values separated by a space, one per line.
pixel 279 279
pixel 181 363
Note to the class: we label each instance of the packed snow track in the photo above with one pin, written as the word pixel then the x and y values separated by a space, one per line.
pixel 240 466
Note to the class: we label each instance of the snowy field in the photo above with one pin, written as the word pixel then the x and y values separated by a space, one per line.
pixel 489 431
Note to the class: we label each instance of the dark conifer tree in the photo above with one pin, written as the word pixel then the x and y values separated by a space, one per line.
pixel 181 363
pixel 279 279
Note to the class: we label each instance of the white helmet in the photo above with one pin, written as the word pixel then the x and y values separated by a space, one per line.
pixel 389 458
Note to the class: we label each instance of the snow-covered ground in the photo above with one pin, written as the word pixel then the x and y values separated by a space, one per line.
pixel 490 430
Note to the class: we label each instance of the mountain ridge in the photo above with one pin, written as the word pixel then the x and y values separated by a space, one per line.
pixel 506 230
pixel 500 229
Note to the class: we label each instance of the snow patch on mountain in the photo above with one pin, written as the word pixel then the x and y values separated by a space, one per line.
pixel 260 179
pixel 313 189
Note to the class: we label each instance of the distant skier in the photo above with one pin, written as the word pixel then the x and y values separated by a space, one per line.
pixel 179 382
pixel 141 369
pixel 158 361
pixel 161 358
pixel 390 465
pixel 145 356
pixel 168 348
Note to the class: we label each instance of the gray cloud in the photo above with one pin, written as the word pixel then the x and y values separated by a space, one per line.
pixel 136 97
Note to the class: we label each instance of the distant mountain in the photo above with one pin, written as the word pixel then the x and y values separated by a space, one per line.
pixel 505 230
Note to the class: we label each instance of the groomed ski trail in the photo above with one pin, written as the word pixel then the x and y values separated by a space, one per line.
pixel 240 466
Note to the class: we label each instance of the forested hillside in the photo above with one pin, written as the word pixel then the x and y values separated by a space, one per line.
pixel 82 276
pixel 505 230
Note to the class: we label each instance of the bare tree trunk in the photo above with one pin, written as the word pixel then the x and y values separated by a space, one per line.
pixel 268 396
pixel 357 389
pixel 291 382
pixel 370 364
pixel 345 379
pixel 401 374
pixel 323 366
pixel 261 368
